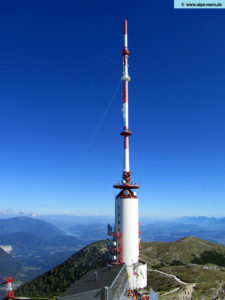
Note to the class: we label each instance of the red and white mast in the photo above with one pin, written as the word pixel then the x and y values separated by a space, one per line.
pixel 126 241
pixel 126 78
pixel 8 282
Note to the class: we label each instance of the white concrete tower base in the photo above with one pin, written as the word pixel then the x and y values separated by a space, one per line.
pixel 126 222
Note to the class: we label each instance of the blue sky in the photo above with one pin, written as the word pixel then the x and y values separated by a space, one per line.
pixel 60 106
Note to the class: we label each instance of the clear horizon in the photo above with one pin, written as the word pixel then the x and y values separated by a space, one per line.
pixel 11 212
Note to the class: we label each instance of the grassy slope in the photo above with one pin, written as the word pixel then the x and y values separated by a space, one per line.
pixel 183 250
pixel 176 258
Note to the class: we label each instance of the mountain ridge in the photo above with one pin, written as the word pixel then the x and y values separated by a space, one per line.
pixel 40 228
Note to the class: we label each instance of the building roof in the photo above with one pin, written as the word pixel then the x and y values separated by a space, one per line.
pixel 88 282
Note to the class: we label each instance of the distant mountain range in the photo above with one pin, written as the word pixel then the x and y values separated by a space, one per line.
pixel 213 223
pixel 94 227
pixel 40 228
pixel 63 221
pixel 210 229
pixel 67 221
pixel 91 232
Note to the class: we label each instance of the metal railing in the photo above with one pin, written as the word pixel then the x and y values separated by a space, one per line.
pixel 119 285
